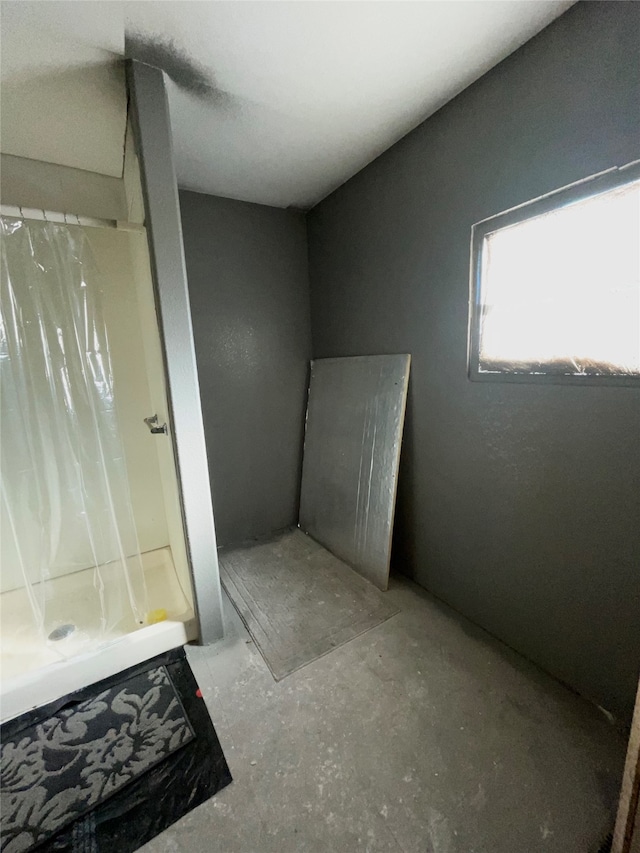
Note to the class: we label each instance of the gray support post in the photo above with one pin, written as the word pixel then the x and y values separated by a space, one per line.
pixel 150 113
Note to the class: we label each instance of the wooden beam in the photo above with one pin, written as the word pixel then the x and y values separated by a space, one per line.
pixel 626 835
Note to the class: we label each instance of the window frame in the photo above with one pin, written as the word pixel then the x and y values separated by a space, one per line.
pixel 593 185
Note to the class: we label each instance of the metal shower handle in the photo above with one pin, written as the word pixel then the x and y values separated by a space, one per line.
pixel 152 423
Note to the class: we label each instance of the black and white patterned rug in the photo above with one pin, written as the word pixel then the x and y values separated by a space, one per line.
pixel 123 748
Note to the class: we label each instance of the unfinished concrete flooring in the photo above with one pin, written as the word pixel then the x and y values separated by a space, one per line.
pixel 423 735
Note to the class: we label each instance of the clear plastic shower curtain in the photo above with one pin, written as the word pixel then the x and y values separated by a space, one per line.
pixel 66 505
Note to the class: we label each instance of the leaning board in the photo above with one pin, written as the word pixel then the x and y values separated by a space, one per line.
pixel 352 443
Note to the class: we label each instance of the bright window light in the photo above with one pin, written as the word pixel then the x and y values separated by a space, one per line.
pixel 559 292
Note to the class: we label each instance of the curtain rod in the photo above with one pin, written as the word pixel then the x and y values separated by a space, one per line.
pixel 21 212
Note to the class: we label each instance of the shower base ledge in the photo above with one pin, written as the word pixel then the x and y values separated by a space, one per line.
pixel 39 686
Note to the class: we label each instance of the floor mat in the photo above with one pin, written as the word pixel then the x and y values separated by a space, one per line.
pixel 56 770
pixel 112 765
pixel 298 601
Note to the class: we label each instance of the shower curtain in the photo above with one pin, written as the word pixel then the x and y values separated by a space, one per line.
pixel 66 505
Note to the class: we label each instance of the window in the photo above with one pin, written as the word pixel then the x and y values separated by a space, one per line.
pixel 555 286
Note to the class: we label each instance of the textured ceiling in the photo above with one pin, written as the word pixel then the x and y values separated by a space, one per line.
pixel 281 102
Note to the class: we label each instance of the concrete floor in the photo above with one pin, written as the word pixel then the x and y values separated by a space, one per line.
pixel 423 735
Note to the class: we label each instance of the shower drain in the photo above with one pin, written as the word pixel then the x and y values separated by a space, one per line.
pixel 61 632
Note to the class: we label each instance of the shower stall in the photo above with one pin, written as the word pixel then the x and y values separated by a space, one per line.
pixel 92 546
pixel 108 548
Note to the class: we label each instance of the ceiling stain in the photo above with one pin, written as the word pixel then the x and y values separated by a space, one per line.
pixel 187 74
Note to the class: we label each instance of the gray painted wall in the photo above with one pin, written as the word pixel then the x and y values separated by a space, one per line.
pixel 518 504
pixel 248 284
